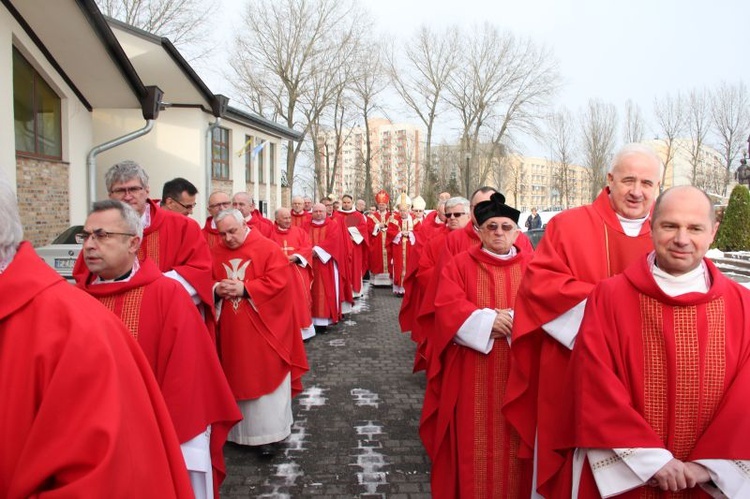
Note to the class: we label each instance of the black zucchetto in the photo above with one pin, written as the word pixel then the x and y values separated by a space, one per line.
pixel 495 207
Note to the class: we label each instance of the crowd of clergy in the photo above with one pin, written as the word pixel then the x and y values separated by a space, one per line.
pixel 611 361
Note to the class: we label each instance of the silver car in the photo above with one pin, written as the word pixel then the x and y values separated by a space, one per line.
pixel 63 252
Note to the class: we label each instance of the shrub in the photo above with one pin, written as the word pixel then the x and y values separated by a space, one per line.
pixel 734 231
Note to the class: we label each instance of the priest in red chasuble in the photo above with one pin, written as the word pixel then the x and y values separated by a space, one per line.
pixel 295 243
pixel 474 450
pixel 457 217
pixel 661 369
pixel 580 247
pixel 259 342
pixel 381 252
pixel 300 217
pixel 354 226
pixel 245 203
pixel 329 252
pixel 172 241
pixel 81 414
pixel 217 201
pixel 171 333
pixel 402 236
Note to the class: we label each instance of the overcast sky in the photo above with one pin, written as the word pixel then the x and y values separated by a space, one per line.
pixel 608 50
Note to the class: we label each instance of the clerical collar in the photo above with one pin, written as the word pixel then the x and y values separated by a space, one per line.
pixel 11 252
pixel 697 280
pixel 347 212
pixel 123 278
pixel 631 227
pixel 510 254
pixel 146 217
pixel 318 222
pixel 248 218
pixel 213 223
pixel 281 229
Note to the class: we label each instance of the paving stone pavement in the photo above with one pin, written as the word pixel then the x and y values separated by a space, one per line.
pixel 355 425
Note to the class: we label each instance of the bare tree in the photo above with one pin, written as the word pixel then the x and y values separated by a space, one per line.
pixel 561 138
pixel 669 117
pixel 698 123
pixel 501 84
pixel 598 125
pixel 634 128
pixel 730 116
pixel 420 78
pixel 288 59
pixel 186 23
pixel 369 81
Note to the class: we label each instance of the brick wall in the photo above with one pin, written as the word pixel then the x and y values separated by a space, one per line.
pixel 43 198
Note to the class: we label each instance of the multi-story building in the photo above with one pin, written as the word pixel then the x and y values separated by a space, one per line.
pixel 395 158
pixel 702 167
pixel 536 182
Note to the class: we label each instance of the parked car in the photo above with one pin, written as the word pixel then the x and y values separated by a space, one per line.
pixel 63 252
pixel 535 235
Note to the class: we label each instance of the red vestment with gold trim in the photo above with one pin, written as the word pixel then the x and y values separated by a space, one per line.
pixel 381 252
pixel 296 241
pixel 654 371
pixel 325 304
pixel 259 341
pixel 82 415
pixel 474 450
pixel 182 355
pixel 580 247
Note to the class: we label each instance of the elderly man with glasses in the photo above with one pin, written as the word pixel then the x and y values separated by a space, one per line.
pixel 474 450
pixel 172 241
pixel 218 201
pixel 171 333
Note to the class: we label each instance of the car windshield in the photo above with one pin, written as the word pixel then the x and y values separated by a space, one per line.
pixel 69 236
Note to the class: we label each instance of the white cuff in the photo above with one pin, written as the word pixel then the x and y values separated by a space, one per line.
pixel 172 274
pixel 619 470
pixel 475 332
pixel 565 327
pixel 323 255
pixel 732 478
pixel 302 260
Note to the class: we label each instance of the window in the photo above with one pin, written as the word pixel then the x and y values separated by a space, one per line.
pixel 248 158
pixel 36 112
pixel 272 161
pixel 220 154
pixel 261 172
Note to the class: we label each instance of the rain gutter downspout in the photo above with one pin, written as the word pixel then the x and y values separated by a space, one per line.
pixel 209 156
pixel 150 106
pixel 106 146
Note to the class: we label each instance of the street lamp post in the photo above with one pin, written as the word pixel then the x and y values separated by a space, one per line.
pixel 468 175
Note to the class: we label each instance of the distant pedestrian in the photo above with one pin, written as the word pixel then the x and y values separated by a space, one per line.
pixel 534 221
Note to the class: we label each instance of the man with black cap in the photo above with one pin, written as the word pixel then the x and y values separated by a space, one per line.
pixel 462 425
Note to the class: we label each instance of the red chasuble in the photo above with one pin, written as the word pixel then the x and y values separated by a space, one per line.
pixel 171 333
pixel 295 241
pixel 260 224
pixel 456 242
pixel 301 220
pixel 358 253
pixel 474 451
pixel 259 341
pixel 430 226
pixel 380 250
pixel 580 247
pixel 81 414
pixel 211 233
pixel 329 237
pixel 655 371
pixel 401 251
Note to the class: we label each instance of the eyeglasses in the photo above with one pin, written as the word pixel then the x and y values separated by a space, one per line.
pixel 456 215
pixel 186 206
pixel 492 227
pixel 225 204
pixel 124 191
pixel 98 235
